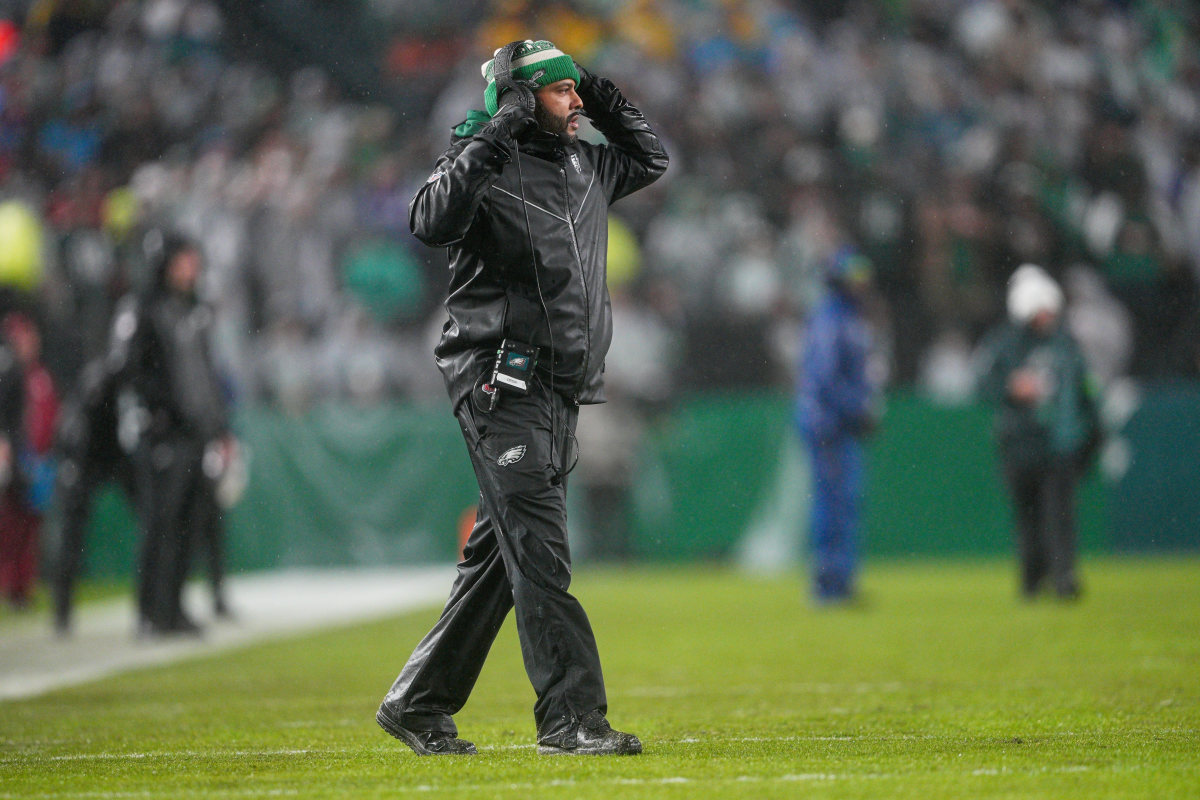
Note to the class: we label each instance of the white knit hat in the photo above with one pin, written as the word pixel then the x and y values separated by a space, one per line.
pixel 1030 290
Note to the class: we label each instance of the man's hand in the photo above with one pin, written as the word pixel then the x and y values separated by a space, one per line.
pixel 864 425
pixel 587 81
pixel 1025 387
pixel 515 102
pixel 517 105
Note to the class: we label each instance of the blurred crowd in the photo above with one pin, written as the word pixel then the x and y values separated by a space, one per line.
pixel 949 141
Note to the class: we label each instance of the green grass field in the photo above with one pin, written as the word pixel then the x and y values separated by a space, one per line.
pixel 942 685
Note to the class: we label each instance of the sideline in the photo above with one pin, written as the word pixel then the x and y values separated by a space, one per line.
pixel 34 660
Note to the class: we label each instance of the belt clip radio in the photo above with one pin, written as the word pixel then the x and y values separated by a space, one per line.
pixel 513 370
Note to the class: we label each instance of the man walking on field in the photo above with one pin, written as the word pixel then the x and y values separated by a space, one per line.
pixel 521 204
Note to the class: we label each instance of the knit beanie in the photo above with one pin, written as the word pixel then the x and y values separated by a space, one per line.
pixel 1030 290
pixel 528 59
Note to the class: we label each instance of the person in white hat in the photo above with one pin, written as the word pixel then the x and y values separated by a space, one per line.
pixel 1046 427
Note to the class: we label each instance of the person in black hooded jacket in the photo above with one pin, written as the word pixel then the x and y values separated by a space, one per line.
pixel 89 457
pixel 521 204
pixel 181 411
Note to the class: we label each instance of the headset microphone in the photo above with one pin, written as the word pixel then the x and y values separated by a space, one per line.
pixel 502 75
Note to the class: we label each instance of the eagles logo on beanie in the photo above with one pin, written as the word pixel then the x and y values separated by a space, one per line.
pixel 528 60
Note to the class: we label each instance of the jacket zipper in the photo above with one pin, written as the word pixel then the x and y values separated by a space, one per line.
pixel 587 304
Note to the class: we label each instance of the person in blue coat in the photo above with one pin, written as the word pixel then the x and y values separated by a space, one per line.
pixel 836 408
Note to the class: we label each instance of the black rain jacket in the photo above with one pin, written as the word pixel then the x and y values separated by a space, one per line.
pixel 472 205
pixel 160 349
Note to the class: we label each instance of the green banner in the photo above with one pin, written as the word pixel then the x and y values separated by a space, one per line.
pixel 347 485
pixel 1155 503
pixel 720 477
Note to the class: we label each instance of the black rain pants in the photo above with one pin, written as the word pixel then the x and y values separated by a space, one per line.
pixel 169 485
pixel 1043 498
pixel 80 477
pixel 517 557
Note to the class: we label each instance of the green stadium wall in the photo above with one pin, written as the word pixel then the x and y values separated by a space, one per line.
pixel 344 485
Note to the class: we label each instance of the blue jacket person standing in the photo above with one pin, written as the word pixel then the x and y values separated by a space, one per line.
pixel 835 409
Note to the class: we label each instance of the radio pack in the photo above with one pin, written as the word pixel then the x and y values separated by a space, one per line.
pixel 515 363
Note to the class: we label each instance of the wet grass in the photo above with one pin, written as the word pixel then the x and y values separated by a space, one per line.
pixel 941 683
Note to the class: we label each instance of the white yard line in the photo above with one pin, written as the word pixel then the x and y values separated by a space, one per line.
pixel 703 786
pixel 33 660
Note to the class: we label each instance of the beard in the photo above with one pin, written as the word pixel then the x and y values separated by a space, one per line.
pixel 551 123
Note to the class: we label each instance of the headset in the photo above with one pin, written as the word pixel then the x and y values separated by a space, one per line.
pixel 502 75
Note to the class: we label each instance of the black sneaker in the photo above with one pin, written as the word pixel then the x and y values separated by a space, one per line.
pixel 425 743
pixel 593 737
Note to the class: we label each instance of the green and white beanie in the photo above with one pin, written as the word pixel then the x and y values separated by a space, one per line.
pixel 528 59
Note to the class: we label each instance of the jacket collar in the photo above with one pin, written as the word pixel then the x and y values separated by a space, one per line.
pixel 543 145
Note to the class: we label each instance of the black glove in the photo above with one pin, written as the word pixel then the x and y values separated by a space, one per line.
pixel 512 122
pixel 514 99
pixel 599 95
pixel 863 426
pixel 516 109
pixel 587 82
